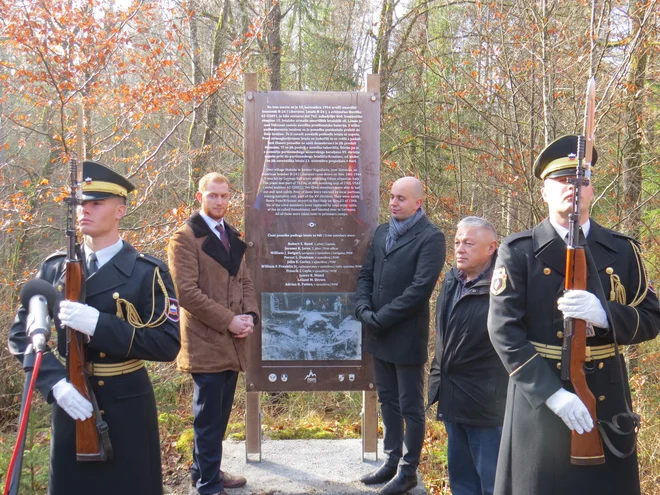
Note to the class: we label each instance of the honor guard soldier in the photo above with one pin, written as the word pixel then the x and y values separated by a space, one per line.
pixel 527 310
pixel 129 315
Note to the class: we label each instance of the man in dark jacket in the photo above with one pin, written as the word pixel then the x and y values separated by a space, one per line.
pixel 130 314
pixel 525 322
pixel 398 276
pixel 467 377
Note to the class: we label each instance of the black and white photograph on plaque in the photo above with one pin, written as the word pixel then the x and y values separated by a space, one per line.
pixel 309 327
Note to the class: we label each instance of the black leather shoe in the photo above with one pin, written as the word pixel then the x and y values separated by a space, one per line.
pixel 381 475
pixel 400 484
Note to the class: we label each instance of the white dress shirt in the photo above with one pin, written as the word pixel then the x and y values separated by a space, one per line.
pixel 213 223
pixel 563 231
pixel 104 255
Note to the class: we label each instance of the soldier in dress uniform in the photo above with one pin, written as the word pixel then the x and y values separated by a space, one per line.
pixel 130 315
pixel 525 324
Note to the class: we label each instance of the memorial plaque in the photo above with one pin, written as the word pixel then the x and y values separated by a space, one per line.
pixel 311 205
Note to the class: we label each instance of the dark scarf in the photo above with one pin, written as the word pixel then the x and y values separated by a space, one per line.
pixel 400 227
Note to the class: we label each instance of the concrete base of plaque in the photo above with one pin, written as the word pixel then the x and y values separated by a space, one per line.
pixel 304 467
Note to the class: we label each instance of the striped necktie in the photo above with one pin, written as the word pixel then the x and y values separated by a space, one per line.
pixel 223 235
pixel 92 265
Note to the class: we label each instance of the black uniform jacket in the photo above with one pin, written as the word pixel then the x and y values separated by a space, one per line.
pixel 397 287
pixel 467 377
pixel 527 281
pixel 127 401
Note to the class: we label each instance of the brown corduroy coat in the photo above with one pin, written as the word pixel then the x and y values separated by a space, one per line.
pixel 213 287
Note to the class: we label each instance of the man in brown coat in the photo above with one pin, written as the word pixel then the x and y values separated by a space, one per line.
pixel 218 311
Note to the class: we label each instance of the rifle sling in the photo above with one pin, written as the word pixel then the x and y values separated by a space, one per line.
pixel 107 453
pixel 628 413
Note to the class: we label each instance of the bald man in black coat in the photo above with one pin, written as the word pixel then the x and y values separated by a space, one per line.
pixel 399 274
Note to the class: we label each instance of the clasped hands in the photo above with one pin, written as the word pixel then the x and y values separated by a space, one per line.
pixel 368 317
pixel 241 326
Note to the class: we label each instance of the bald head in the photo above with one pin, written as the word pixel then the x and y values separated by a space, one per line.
pixel 412 185
pixel 406 197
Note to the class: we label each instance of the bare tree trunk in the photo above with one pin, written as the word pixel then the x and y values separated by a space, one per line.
pixel 380 63
pixel 194 138
pixel 633 146
pixel 274 44
pixel 548 83
pixel 218 49
pixel 197 76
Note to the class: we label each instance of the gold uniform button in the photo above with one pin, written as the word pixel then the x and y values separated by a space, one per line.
pixel 547 271
pixel 102 354
pixel 101 383
pixel 609 270
pixel 601 398
pixel 601 365
pixel 560 334
pixel 59 288
pixel 115 295
pixel 558 366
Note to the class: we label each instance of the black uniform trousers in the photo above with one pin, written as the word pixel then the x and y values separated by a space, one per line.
pixel 401 395
pixel 213 396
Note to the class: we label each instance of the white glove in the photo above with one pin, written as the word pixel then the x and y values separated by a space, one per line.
pixel 583 305
pixel 571 410
pixel 72 401
pixel 79 317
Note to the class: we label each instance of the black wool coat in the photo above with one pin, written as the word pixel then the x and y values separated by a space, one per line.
pixel 397 286
pixel 127 401
pixel 527 281
pixel 467 378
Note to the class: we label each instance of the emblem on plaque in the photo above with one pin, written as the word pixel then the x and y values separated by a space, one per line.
pixel 341 377
pixel 351 377
pixel 284 377
pixel 272 377
pixel 311 377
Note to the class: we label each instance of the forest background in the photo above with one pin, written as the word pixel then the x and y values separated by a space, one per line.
pixel 470 92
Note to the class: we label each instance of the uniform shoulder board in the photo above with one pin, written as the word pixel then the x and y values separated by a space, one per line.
pixel 154 261
pixel 621 235
pixel 58 254
pixel 526 234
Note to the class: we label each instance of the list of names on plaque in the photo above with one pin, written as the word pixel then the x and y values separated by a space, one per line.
pixel 310 260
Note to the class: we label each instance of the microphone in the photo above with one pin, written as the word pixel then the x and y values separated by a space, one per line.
pixel 39 297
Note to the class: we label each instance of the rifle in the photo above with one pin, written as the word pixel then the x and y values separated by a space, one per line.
pixel 587 448
pixel 88 445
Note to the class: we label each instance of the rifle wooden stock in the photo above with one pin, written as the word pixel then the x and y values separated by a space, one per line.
pixel 587 448
pixel 87 436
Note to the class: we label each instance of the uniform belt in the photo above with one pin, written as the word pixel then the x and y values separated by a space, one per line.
pixel 111 369
pixel 102 369
pixel 592 352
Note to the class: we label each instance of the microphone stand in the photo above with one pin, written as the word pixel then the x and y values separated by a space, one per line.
pixel 31 365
